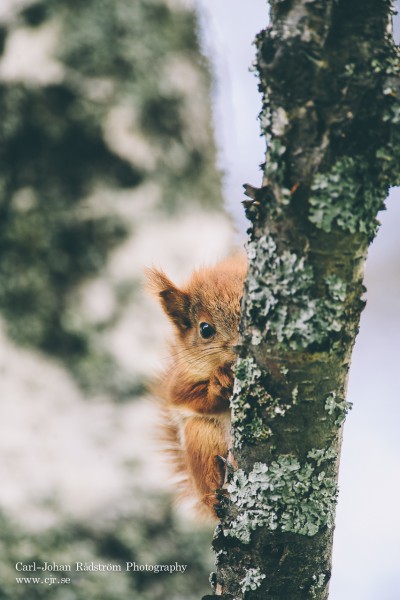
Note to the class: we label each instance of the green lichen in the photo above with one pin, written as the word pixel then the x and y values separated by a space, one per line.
pixel 252 405
pixel 275 152
pixel 337 406
pixel 345 198
pixel 389 65
pixel 248 397
pixel 281 298
pixel 349 195
pixel 337 288
pixel 319 582
pixel 252 580
pixel 266 119
pixel 273 167
pixel 285 495
pixel 320 455
pixel 386 156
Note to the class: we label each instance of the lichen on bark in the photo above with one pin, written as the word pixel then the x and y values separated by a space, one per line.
pixel 283 301
pixel 284 495
pixel 331 117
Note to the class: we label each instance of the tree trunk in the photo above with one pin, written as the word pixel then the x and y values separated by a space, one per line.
pixel 329 74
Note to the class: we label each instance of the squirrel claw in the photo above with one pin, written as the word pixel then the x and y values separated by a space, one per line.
pixel 221 466
pixel 227 466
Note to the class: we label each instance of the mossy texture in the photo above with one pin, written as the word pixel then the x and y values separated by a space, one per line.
pixel 338 407
pixel 282 300
pixel 284 494
pixel 252 580
pixel 346 198
pixel 253 408
pixel 331 117
pixel 249 399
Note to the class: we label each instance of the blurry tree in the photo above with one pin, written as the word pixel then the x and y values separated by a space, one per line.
pixel 96 97
pixel 330 78
pixel 105 109
pixel 156 538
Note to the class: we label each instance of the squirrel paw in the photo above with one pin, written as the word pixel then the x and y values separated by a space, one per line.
pixel 215 499
pixel 222 382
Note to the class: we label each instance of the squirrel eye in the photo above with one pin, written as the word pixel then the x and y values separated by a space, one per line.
pixel 206 330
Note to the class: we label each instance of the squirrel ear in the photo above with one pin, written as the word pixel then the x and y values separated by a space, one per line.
pixel 175 303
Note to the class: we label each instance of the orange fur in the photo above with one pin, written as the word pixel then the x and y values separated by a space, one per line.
pixel 196 387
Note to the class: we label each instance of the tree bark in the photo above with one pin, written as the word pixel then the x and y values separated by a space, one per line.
pixel 329 75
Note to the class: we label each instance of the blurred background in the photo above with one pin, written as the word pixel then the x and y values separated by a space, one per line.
pixel 109 162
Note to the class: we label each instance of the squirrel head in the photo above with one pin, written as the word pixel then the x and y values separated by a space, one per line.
pixel 205 313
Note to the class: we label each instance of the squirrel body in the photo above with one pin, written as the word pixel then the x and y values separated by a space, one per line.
pixel 196 386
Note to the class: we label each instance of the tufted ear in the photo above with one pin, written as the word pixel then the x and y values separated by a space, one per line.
pixel 176 304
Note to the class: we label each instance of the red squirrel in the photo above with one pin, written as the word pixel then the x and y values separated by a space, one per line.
pixel 196 386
